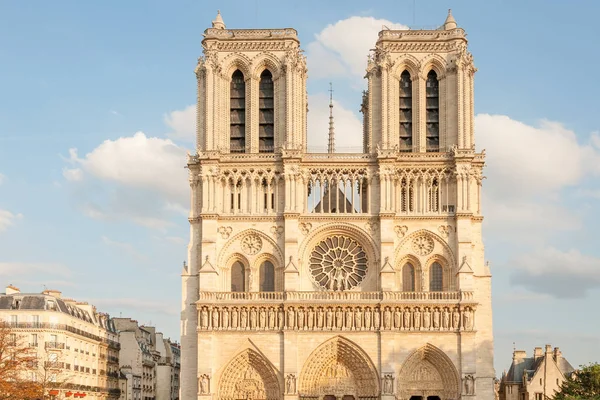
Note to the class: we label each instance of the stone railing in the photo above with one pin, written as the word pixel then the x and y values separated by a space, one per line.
pixel 330 296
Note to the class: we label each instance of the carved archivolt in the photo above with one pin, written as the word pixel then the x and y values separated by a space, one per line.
pixel 428 372
pixel 339 367
pixel 249 376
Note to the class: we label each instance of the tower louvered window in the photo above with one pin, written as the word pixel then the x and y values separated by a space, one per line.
pixel 237 114
pixel 266 114
pixel 405 112
pixel 432 115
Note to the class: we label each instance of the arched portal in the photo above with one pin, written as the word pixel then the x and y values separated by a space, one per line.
pixel 428 373
pixel 341 369
pixel 249 376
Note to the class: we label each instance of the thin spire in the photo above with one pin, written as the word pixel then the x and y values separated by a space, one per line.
pixel 331 142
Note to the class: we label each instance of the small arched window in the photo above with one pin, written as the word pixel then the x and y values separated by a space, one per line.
pixel 408 278
pixel 436 278
pixel 267 277
pixel 405 112
pixel 266 113
pixel 237 113
pixel 238 277
pixel 432 117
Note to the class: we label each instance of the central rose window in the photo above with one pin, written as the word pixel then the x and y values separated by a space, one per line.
pixel 338 263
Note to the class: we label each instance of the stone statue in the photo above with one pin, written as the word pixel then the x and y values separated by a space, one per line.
pixel 225 318
pixel 281 318
pixel 215 318
pixel 387 318
pixel 417 319
pixel 204 384
pixel 252 318
pixel 406 318
pixel 234 318
pixel 446 319
pixel 290 384
pixel 310 318
pixel 262 318
pixel 358 318
pixel 468 319
pixel 204 318
pixel 397 318
pixel 388 384
pixel 301 318
pixel 469 383
pixel 339 318
pixel 349 318
pixel 436 318
pixel 320 318
pixel 271 318
pixel 426 319
pixel 291 319
pixel 368 318
pixel 456 319
pixel 376 318
pixel 243 318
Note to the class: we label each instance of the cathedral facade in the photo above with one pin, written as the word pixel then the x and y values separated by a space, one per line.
pixel 336 276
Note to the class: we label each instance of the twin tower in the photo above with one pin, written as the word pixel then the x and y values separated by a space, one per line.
pixel 336 276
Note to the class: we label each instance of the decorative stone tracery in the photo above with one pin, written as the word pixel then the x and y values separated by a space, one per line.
pixel 249 376
pixel 338 263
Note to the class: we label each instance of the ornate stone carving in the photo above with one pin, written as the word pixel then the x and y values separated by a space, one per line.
pixel 251 244
pixel 423 245
pixel 305 227
pixel 204 384
pixel 290 384
pixel 401 230
pixel 469 385
pixel 371 227
pixel 445 230
pixel 225 231
pixel 249 376
pixel 388 384
pixel 277 230
pixel 338 263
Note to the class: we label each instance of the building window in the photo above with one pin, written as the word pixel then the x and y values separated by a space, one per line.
pixel 237 114
pixel 405 112
pixel 408 278
pixel 266 113
pixel 267 277
pixel 34 340
pixel 436 277
pixel 432 116
pixel 539 396
pixel 238 277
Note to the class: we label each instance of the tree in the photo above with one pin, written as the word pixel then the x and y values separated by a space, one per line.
pixel 583 384
pixel 17 359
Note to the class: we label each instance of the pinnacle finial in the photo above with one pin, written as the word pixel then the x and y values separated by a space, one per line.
pixel 450 22
pixel 331 141
pixel 218 22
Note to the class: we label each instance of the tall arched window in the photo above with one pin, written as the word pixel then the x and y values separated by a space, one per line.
pixel 238 277
pixel 237 113
pixel 432 117
pixel 436 278
pixel 405 112
pixel 266 113
pixel 408 278
pixel 267 277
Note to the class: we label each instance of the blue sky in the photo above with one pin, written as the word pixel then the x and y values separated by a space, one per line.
pixel 106 223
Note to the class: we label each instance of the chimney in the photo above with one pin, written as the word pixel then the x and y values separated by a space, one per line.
pixel 548 349
pixel 519 356
pixel 10 289
pixel 557 353
pixel 54 293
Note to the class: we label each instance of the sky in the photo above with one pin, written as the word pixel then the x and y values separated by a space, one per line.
pixel 96 116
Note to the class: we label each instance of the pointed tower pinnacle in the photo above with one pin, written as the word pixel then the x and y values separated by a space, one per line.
pixel 218 22
pixel 331 142
pixel 450 22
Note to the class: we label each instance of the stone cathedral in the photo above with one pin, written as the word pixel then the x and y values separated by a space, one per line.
pixel 336 276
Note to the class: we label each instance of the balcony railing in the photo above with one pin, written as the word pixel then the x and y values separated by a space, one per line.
pixel 62 327
pixel 54 365
pixel 323 296
pixel 55 345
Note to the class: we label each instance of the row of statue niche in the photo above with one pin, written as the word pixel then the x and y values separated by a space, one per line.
pixel 337 318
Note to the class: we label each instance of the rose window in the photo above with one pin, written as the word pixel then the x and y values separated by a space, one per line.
pixel 423 245
pixel 338 263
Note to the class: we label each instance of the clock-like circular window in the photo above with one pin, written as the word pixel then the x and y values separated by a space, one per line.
pixel 338 263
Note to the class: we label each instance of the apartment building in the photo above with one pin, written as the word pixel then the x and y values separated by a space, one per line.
pixel 77 346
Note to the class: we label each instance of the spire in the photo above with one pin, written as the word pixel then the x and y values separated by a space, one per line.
pixel 331 142
pixel 450 22
pixel 218 22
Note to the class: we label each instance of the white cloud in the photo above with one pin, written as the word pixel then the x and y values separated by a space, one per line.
pixel 7 219
pixel 73 174
pixel 341 49
pixel 348 127
pixel 561 274
pixel 182 123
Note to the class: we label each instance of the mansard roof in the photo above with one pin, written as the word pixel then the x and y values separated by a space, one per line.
pixel 530 365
